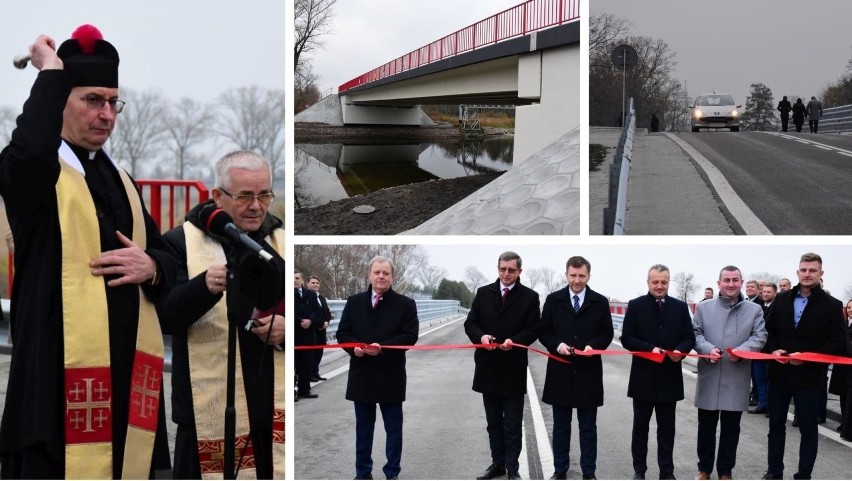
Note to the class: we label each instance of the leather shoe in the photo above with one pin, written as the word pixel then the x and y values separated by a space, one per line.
pixel 322 378
pixel 771 475
pixel 315 379
pixel 513 475
pixel 392 477
pixel 493 471
pixel 666 476
pixel 308 395
pixel 364 476
pixel 726 477
pixel 559 476
pixel 638 475
pixel 589 476
pixel 702 475
pixel 758 411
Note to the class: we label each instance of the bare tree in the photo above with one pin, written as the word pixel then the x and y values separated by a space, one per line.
pixel 686 285
pixel 605 28
pixel 187 125
pixel 535 276
pixel 430 276
pixel 474 278
pixel 766 276
pixel 7 124
pixel 313 21
pixel 252 118
pixel 847 293
pixel 139 129
pixel 553 281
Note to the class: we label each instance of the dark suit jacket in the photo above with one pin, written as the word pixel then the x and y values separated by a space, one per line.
pixel 498 372
pixel 325 316
pixel 822 329
pixel 306 308
pixel 579 384
pixel 644 329
pixel 381 378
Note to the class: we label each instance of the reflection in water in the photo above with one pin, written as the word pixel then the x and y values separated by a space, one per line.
pixel 328 172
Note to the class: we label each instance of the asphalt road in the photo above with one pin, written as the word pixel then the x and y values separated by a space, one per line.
pixel 795 183
pixel 444 430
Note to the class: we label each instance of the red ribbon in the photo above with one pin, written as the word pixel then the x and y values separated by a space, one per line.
pixel 651 356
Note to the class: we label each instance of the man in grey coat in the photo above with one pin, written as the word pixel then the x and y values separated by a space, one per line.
pixel 813 111
pixel 722 389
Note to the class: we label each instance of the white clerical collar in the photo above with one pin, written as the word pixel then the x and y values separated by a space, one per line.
pixel 71 159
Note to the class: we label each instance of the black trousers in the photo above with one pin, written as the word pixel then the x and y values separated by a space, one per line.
pixel 505 417
pixel 729 438
pixel 642 411
pixel 784 119
pixel 303 361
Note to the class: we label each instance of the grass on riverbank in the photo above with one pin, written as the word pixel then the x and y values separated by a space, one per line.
pixel 495 119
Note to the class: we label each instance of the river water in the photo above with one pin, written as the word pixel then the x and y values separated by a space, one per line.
pixel 326 172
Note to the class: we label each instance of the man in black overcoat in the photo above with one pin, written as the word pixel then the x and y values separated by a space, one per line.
pixel 378 317
pixel 503 313
pixel 656 322
pixel 320 332
pixel 803 319
pixel 308 317
pixel 575 319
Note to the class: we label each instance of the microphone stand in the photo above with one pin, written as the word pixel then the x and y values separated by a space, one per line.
pixel 233 307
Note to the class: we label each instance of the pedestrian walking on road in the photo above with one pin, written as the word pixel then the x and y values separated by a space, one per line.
pixel 722 388
pixel 799 114
pixel 575 319
pixel 656 322
pixel 814 112
pixel 503 313
pixel 784 107
pixel 655 123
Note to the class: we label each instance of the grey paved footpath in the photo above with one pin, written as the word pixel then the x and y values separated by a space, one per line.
pixel 541 196
pixel 666 194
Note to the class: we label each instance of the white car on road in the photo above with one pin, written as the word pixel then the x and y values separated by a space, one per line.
pixel 715 111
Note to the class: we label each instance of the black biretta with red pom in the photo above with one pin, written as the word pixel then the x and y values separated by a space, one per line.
pixel 89 59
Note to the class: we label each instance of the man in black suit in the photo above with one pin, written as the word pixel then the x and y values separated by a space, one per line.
pixel 377 317
pixel 575 319
pixel 656 322
pixel 321 339
pixel 803 319
pixel 307 317
pixel 503 313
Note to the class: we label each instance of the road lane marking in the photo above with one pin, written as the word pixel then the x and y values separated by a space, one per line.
pixel 545 454
pixel 749 222
pixel 814 143
pixel 823 147
pixel 847 154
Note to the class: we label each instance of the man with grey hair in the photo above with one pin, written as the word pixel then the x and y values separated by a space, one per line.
pixel 199 315
pixel 375 318
pixel 724 379
pixel 659 323
pixel 503 313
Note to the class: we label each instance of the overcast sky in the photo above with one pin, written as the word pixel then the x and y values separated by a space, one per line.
pixel 370 33
pixel 621 271
pixel 194 48
pixel 794 47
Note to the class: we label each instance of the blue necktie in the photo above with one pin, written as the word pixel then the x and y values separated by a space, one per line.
pixel 576 303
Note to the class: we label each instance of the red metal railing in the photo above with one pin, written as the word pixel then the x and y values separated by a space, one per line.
pixel 519 20
pixel 152 191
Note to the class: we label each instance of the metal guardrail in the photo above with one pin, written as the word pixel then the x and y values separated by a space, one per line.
pixel 527 17
pixel 427 310
pixel 836 119
pixel 615 213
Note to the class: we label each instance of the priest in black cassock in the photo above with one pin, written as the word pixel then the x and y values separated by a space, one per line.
pixel 84 398
pixel 201 309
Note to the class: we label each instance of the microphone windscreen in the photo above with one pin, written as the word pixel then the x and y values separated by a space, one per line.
pixel 214 219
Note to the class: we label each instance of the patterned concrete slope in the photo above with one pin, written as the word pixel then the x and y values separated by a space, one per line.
pixel 539 197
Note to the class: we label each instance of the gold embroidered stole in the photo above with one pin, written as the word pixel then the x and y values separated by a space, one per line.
pixel 88 385
pixel 208 370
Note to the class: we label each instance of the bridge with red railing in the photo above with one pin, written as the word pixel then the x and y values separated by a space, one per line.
pixel 527 56
pixel 530 16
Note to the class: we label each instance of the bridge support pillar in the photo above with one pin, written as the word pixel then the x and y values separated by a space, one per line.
pixel 376 115
pixel 553 77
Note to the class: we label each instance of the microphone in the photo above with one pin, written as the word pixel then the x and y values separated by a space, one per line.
pixel 217 221
pixel 20 61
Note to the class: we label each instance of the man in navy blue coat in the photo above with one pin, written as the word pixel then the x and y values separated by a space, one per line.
pixel 575 319
pixel 656 322
pixel 378 317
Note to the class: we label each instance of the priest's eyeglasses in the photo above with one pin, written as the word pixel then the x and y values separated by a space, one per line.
pixel 243 200
pixel 96 102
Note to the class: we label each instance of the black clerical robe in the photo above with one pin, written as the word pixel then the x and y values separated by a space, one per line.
pixel 34 416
